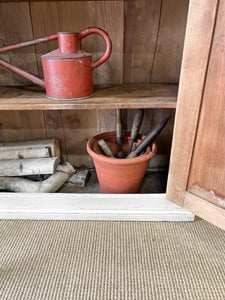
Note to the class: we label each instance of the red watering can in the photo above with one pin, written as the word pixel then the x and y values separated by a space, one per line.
pixel 67 70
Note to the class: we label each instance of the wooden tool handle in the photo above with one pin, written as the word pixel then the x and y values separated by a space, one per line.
pixel 105 148
pixel 137 123
pixel 119 129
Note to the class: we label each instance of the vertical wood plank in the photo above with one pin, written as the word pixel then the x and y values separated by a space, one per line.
pixel 169 49
pixel 110 16
pixel 141 27
pixel 79 126
pixel 5 75
pixel 106 120
pixel 21 126
pixel 75 16
pixel 54 128
pixel 45 21
pixel 32 125
pixel 10 124
pixel 17 26
pixel 200 26
pixel 207 173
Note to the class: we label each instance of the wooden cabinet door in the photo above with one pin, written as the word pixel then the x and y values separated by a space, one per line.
pixel 197 167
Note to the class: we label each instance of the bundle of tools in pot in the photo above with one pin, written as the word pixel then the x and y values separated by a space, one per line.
pixel 21 162
pixel 140 148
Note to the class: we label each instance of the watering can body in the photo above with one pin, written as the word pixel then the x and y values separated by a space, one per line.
pixel 67 70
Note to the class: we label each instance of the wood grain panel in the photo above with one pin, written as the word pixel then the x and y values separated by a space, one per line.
pixel 79 126
pixel 17 27
pixel 75 16
pixel 54 128
pixel 169 49
pixel 32 125
pixel 106 120
pixel 10 123
pixel 198 39
pixel 141 27
pixel 208 163
pixel 45 21
pixel 21 126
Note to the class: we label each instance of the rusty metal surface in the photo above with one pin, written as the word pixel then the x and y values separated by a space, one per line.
pixel 68 78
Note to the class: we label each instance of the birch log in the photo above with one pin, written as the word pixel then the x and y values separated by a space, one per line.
pixel 50 185
pixel 53 144
pixel 25 153
pixel 30 166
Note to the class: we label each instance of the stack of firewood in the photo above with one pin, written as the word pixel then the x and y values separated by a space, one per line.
pixel 19 162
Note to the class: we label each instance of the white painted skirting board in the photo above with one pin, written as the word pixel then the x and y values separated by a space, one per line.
pixel 59 206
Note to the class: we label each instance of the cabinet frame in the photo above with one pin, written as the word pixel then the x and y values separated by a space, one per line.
pixel 197 48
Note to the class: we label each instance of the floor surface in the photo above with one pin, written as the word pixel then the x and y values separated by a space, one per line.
pixel 111 260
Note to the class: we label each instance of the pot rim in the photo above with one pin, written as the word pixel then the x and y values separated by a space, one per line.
pixel 120 161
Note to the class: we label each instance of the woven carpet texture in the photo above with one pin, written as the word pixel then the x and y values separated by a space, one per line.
pixel 111 260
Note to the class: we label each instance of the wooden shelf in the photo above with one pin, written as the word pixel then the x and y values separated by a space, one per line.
pixel 105 97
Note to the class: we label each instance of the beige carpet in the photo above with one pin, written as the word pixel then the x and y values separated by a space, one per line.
pixel 111 260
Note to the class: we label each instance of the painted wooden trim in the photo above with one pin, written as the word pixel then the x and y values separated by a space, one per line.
pixel 204 209
pixel 199 33
pixel 60 206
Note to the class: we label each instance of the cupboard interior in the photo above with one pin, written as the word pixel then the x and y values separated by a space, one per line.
pixel 147 38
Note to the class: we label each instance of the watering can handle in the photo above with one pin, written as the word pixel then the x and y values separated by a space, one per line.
pixel 107 40
pixel 30 43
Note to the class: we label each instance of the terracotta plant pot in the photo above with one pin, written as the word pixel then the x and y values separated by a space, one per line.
pixel 119 175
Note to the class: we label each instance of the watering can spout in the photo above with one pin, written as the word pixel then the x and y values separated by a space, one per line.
pixel 34 78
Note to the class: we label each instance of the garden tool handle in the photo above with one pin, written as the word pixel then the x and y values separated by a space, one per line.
pixel 137 123
pixel 106 55
pixel 136 127
pixel 119 129
pixel 105 148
